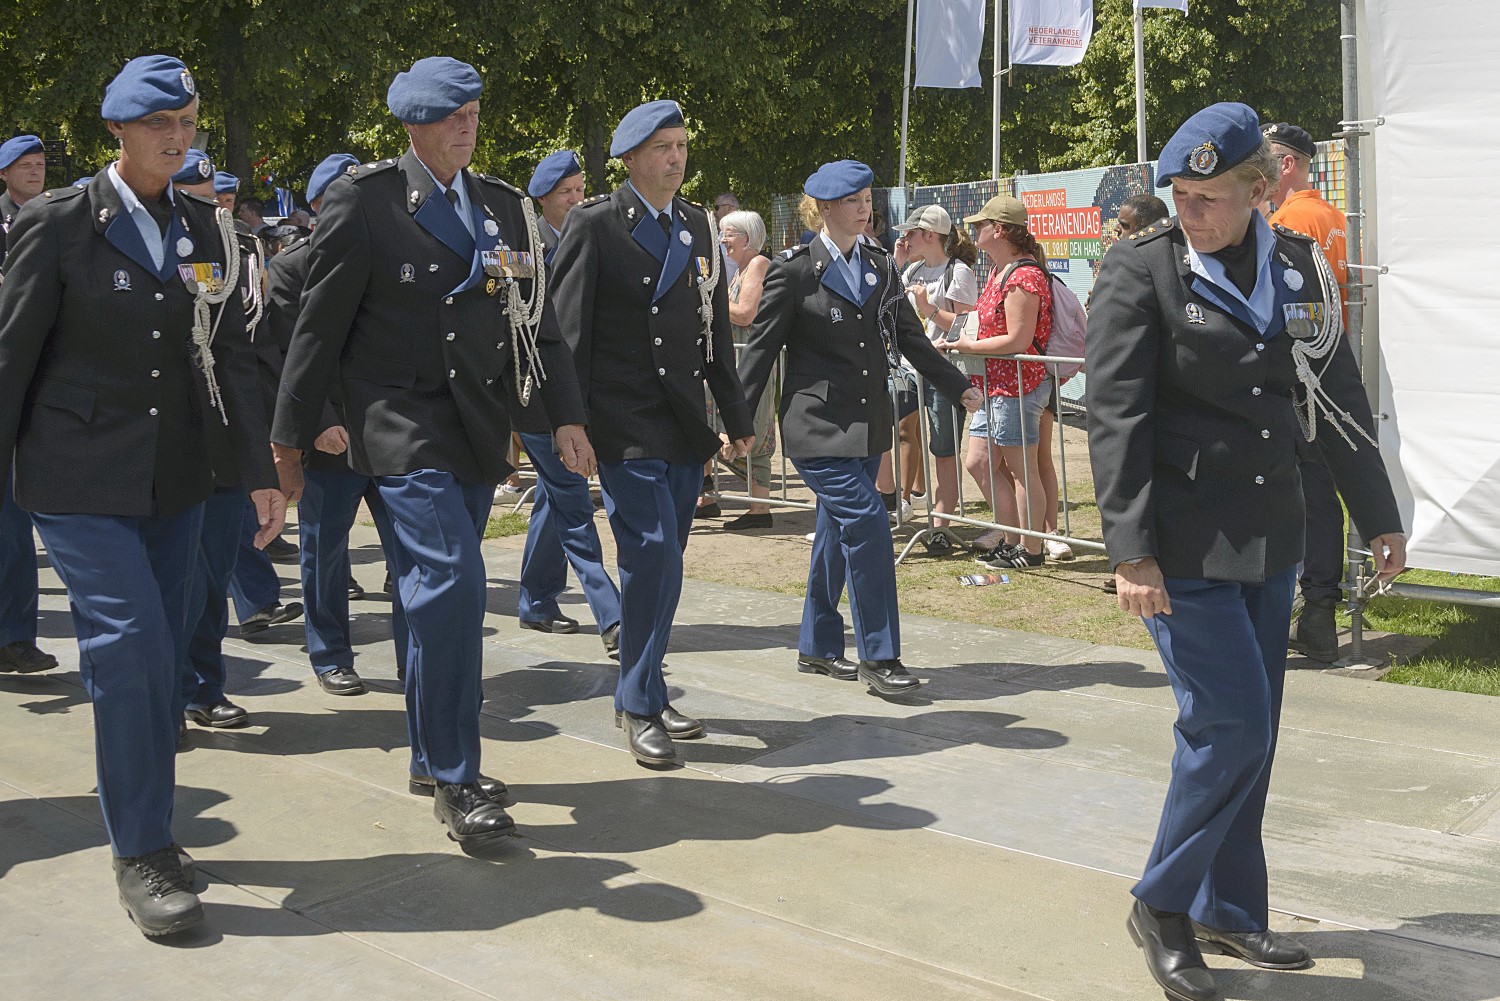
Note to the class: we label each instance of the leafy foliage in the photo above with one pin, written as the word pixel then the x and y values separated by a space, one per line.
pixel 772 87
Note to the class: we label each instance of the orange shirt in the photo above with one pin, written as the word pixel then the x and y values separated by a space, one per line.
pixel 1309 213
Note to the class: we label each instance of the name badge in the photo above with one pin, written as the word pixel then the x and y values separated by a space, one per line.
pixel 507 263
pixel 202 277
pixel 1304 319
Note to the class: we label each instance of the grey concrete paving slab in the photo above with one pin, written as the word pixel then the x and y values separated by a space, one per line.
pixel 977 841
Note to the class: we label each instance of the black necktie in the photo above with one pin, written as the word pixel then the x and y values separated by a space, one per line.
pixel 452 197
pixel 666 223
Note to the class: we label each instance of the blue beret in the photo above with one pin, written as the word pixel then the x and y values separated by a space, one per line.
pixel 196 168
pixel 13 149
pixel 551 171
pixel 838 179
pixel 225 183
pixel 639 123
pixel 1209 143
pixel 432 89
pixel 146 85
pixel 326 173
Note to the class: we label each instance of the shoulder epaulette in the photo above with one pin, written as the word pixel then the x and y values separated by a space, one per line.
pixel 198 199
pixel 511 188
pixel 365 170
pixel 589 203
pixel 1152 231
pixel 878 248
pixel 62 194
pixel 791 252
pixel 1292 233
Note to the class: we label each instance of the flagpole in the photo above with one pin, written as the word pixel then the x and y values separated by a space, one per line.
pixel 999 77
pixel 1140 83
pixel 911 6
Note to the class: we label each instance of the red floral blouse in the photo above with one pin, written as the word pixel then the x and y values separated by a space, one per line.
pixel 991 309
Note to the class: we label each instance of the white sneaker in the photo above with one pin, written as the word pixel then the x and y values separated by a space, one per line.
pixel 811 536
pixel 1058 550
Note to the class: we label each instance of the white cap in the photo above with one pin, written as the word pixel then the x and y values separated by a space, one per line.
pixel 929 217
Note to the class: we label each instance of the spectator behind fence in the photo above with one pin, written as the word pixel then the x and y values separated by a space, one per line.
pixel 940 279
pixel 1300 207
pixel 1210 343
pixel 1139 211
pixel 1015 317
pixel 807 213
pixel 743 237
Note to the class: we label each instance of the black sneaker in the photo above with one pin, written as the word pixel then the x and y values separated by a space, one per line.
pixel 1001 549
pixel 1017 559
pixel 156 894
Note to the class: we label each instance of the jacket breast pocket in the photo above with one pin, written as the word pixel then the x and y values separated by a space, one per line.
pixel 1177 451
pixel 380 371
pixel 76 400
pixel 813 389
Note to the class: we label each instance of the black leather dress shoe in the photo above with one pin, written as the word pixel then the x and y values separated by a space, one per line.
pixel 648 740
pixel 1264 949
pixel 271 615
pixel 747 522
pixel 837 668
pixel 1172 955
pixel 222 715
pixel 282 551
pixel 472 818
pixel 678 726
pixel 707 511
pixel 341 681
pixel 155 894
pixel 425 785
pixel 561 624
pixel 356 592
pixel 25 658
pixel 389 584
pixel 887 677
pixel 611 639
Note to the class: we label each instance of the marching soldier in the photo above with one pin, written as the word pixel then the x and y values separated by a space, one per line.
pixel 122 348
pixel 331 489
pixel 422 302
pixel 840 310
pixel 645 314
pixel 23 168
pixel 561 529
pixel 1216 361
pixel 557 186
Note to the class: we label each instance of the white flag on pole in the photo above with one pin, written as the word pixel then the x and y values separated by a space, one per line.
pixel 1050 32
pixel 1173 4
pixel 950 34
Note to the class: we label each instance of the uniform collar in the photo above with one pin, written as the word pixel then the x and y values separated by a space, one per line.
pixel 655 212
pixel 1260 305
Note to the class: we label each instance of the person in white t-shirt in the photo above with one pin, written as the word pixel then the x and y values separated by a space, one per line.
pixel 940 279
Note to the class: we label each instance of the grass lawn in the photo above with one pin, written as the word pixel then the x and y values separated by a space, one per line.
pixel 1463 657
pixel 506 523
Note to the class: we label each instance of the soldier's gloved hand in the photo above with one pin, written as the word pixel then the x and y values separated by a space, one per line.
pixel 575 450
pixel 270 514
pixel 334 441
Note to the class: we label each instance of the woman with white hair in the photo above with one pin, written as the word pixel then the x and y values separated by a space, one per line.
pixel 742 234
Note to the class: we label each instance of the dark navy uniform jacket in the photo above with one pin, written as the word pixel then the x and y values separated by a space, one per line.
pixel 834 399
pixel 633 324
pixel 8 210
pixel 399 310
pixel 104 406
pixel 1192 433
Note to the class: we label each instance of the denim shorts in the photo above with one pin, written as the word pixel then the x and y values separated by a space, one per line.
pixel 1002 417
pixel 942 418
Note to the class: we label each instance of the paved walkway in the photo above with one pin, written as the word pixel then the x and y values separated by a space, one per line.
pixel 978 842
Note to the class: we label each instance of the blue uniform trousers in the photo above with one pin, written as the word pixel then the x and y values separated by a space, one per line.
pixel 202 667
pixel 1224 647
pixel 650 504
pixel 852 545
pixel 127 581
pixel 562 531
pixel 254 584
pixel 325 514
pixel 437 524
pixel 17 571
